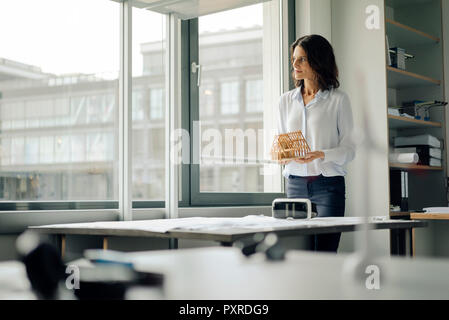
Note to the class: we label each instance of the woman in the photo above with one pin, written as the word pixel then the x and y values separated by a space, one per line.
pixel 323 114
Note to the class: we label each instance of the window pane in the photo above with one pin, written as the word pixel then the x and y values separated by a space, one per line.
pixel 157 103
pixel 207 100
pixel 230 97
pixel 148 106
pixel 58 103
pixel 254 96
pixel 231 54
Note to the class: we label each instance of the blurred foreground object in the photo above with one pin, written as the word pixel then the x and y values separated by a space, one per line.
pixel 259 243
pixel 43 263
pixel 106 276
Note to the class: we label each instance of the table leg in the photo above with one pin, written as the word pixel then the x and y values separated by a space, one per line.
pixel 412 241
pixel 105 243
pixel 173 243
pixel 393 242
pixel 397 242
pixel 62 243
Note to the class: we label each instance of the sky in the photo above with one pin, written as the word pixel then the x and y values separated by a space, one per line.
pixel 82 36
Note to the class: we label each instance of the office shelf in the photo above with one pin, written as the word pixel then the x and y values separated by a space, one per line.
pixel 400 79
pixel 407 36
pixel 399 213
pixel 429 216
pixel 416 27
pixel 410 167
pixel 398 122
pixel 400 3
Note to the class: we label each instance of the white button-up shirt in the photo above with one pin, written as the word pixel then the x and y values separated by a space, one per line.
pixel 326 123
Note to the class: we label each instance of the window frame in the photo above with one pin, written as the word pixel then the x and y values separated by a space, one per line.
pixel 213 199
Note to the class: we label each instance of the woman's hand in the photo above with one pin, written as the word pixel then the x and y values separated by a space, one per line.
pixel 311 156
pixel 283 162
pixel 306 159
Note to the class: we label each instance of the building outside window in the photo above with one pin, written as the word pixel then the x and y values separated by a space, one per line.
pixel 59 104
pixel 230 96
pixel 254 96
pixel 157 103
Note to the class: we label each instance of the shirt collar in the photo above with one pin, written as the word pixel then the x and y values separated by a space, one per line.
pixel 319 95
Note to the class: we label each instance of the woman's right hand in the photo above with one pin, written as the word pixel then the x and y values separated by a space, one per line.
pixel 298 159
pixel 284 162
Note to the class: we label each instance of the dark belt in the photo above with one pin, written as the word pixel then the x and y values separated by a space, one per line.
pixel 307 178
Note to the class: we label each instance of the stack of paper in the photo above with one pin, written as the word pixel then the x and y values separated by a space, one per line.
pixel 404 157
pixel 436 209
pixel 434 162
pixel 393 112
pixel 425 139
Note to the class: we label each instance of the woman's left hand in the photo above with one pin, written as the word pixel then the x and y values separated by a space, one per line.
pixel 311 156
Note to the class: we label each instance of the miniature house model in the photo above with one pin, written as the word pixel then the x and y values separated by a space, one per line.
pixel 290 145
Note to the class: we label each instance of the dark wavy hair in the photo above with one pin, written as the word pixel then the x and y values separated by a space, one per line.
pixel 321 58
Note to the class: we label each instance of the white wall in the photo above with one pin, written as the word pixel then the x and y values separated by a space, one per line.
pixel 313 17
pixel 360 57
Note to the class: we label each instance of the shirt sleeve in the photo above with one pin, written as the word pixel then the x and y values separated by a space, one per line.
pixel 345 152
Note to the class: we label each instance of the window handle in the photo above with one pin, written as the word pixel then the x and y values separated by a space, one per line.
pixel 195 68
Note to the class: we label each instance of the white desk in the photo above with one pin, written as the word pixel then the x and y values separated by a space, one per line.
pixel 224 273
pixel 14 284
pixel 228 230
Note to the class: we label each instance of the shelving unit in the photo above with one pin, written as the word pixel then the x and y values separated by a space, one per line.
pixel 429 216
pixel 400 214
pixel 409 36
pixel 401 79
pixel 415 25
pixel 408 167
pixel 398 122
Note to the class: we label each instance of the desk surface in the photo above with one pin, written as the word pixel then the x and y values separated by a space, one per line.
pixel 224 229
pixel 429 216
pixel 224 273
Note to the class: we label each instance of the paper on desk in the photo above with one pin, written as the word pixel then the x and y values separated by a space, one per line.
pixel 264 222
pixel 436 210
pixel 194 223
pixel 208 224
pixel 157 225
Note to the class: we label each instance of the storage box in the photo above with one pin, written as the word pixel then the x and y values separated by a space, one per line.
pixel 421 140
pixel 398 58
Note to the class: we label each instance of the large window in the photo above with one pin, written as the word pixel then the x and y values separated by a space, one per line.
pixel 231 109
pixel 63 94
pixel 58 104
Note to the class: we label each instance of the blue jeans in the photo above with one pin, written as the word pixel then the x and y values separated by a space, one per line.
pixel 327 195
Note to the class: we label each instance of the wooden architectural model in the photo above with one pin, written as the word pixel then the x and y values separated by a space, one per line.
pixel 291 145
